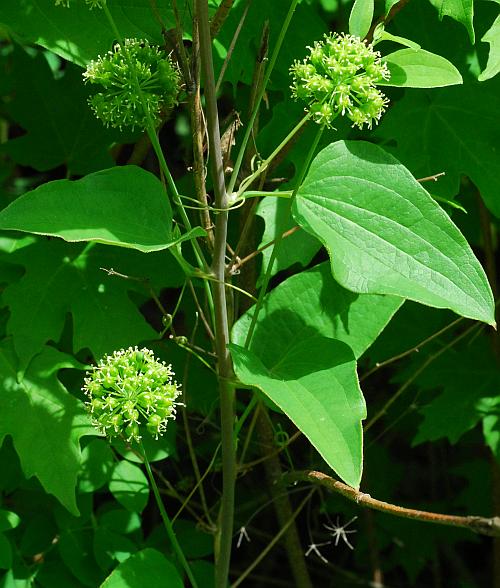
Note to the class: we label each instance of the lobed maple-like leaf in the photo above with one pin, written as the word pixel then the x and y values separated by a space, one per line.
pixel 44 421
pixel 52 111
pixel 469 381
pixel 454 130
pixel 62 278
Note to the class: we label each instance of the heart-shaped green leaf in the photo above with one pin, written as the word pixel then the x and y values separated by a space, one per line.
pixel 125 206
pixel 313 380
pixel 386 235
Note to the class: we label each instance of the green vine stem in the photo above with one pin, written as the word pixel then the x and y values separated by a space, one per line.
pixel 223 542
pixel 151 131
pixel 279 238
pixel 166 520
pixel 264 164
pixel 272 62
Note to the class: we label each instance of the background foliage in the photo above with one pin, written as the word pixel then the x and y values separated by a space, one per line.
pixel 77 512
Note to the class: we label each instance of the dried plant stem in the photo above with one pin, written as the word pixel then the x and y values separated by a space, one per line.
pixel 195 112
pixel 272 61
pixel 481 525
pixel 220 16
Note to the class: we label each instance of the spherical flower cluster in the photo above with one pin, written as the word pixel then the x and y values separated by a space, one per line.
pixel 140 84
pixel 339 77
pixel 128 389
pixel 91 3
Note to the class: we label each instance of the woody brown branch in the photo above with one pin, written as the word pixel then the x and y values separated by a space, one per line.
pixel 480 525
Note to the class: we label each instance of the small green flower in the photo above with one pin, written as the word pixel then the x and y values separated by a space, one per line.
pixel 140 84
pixel 338 77
pixel 128 389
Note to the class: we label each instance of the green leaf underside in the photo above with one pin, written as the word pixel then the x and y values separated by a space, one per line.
pixel 316 385
pixel 416 68
pixel 125 206
pixel 360 18
pixel 62 278
pixel 145 568
pixel 313 303
pixel 492 36
pixel 386 235
pixel 460 10
pixel 44 421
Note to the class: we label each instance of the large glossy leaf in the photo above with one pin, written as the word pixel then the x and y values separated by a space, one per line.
pixel 62 278
pixel 313 380
pixel 386 235
pixel 416 68
pixel 454 130
pixel 79 34
pixel 460 10
pixel 125 206
pixel 492 36
pixel 44 421
pixel 145 568
pixel 312 303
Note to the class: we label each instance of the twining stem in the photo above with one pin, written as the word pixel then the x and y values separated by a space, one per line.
pixel 151 131
pixel 481 525
pixel 166 521
pixel 279 239
pixel 236 266
pixel 224 366
pixel 249 129
pixel 413 349
pixel 189 439
pixel 264 164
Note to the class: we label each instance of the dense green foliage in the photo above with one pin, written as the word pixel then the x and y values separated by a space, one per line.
pixel 350 251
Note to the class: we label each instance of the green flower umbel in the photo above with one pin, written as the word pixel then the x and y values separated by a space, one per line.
pixel 128 389
pixel 140 84
pixel 338 77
